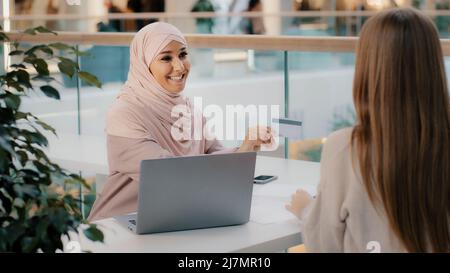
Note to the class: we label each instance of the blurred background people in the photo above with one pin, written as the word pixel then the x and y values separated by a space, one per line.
pixel 305 5
pixel 204 25
pixel 52 8
pixel 254 25
pixel 153 6
pixel 136 6
pixel 113 25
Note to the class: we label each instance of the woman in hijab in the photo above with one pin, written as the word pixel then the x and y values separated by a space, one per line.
pixel 140 124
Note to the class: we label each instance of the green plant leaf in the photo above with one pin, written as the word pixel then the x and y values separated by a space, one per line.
pixel 32 50
pixel 41 155
pixel 23 157
pixel 65 47
pixel 41 66
pixel 15 52
pixel 41 167
pixel 18 66
pixel 76 179
pixel 76 183
pixel 6 145
pixel 3 37
pixel 42 48
pixel 14 132
pixel 93 234
pixel 35 137
pixel 4 161
pixel 30 58
pixel 43 78
pixel 47 50
pixel 69 61
pixel 90 79
pixel 57 169
pixel 81 53
pixel 67 66
pixel 61 46
pixel 21 115
pixel 12 101
pixel 46 126
pixel 29 244
pixel 25 190
pixel 76 176
pixel 6 115
pixel 23 78
pixel 6 202
pixel 14 84
pixel 26 172
pixel 58 217
pixel 40 29
pixel 30 31
pixel 50 92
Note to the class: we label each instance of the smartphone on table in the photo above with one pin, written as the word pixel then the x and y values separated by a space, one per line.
pixel 263 179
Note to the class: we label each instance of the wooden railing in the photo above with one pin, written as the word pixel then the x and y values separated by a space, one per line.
pixel 257 42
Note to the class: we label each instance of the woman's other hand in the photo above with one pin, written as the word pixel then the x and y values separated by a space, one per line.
pixel 299 201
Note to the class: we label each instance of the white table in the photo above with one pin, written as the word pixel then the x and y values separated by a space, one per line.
pixel 271 227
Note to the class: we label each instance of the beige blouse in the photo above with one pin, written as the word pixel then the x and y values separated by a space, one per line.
pixel 342 218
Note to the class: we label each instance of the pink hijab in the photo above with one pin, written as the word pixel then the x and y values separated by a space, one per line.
pixel 143 107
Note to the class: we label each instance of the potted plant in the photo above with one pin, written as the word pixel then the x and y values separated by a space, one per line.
pixel 35 209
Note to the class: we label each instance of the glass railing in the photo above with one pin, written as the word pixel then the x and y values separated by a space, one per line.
pixel 311 82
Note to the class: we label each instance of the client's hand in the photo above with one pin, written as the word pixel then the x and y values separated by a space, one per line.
pixel 255 138
pixel 300 200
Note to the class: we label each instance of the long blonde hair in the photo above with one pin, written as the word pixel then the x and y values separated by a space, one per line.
pixel 402 136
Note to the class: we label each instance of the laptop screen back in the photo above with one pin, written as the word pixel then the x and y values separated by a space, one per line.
pixel 195 192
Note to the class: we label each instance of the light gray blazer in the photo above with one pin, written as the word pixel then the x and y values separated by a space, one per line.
pixel 342 218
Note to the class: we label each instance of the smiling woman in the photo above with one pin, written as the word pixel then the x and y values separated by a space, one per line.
pixel 171 67
pixel 140 122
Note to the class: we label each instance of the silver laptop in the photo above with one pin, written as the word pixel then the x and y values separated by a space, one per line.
pixel 193 192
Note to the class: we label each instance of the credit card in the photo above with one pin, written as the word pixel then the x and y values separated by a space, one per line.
pixel 289 128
